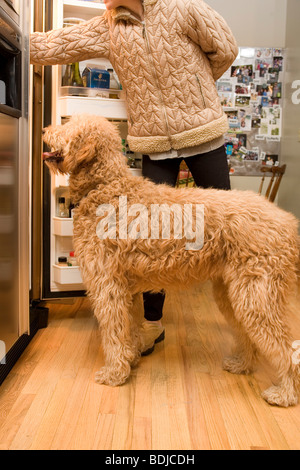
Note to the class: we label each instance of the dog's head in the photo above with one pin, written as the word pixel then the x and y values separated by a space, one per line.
pixel 82 139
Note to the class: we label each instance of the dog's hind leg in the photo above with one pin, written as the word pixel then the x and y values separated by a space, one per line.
pixel 259 304
pixel 244 356
pixel 111 307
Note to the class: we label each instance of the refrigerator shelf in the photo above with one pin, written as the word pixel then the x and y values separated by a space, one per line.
pixel 62 227
pixel 106 107
pixel 61 180
pixel 86 92
pixel 67 275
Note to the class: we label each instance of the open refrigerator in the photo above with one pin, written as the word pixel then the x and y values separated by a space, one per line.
pixel 60 277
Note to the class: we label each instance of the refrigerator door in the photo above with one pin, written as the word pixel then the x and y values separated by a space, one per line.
pixel 14 190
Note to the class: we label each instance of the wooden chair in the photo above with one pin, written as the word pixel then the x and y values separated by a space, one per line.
pixel 276 173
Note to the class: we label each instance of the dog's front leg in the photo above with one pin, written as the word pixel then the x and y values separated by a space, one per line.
pixel 112 307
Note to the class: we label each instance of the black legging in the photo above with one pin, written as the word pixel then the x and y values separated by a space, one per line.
pixel 209 170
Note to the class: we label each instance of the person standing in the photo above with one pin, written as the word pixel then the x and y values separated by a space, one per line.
pixel 167 55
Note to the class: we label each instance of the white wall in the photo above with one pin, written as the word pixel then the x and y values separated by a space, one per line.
pixel 289 194
pixel 256 23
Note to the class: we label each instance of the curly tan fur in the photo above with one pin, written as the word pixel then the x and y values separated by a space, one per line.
pixel 250 253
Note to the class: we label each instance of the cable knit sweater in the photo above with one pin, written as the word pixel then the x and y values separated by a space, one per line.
pixel 167 64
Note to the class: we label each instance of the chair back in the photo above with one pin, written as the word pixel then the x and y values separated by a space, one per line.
pixel 276 173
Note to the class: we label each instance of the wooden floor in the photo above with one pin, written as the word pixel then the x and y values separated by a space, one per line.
pixel 178 398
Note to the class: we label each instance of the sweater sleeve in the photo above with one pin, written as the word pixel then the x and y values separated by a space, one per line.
pixel 210 31
pixel 72 44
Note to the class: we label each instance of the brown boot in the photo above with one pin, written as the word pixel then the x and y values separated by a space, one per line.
pixel 151 333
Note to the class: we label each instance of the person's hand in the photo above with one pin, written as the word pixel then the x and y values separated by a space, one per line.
pixel 136 6
pixel 111 4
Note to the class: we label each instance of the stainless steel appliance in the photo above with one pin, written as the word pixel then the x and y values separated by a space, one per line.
pixel 14 182
pixel 12 8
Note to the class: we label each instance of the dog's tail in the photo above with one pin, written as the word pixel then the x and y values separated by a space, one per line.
pixel 298 263
pixel 296 344
pixel 296 364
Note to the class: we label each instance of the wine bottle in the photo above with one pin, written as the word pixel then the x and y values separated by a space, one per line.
pixel 113 83
pixel 67 78
pixel 76 77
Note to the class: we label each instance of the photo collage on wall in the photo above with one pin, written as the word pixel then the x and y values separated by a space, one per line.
pixel 250 92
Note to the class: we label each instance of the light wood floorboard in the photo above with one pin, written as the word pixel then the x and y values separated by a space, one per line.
pixel 178 398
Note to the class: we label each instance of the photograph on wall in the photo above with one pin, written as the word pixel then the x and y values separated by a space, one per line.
pixel 242 101
pixel 270 160
pixel 270 122
pixel 277 63
pixel 224 86
pixel 242 90
pixel 255 124
pixel 243 73
pixel 227 100
pixel 245 120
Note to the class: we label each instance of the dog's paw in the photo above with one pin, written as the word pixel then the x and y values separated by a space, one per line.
pixel 278 395
pixel 111 376
pixel 236 365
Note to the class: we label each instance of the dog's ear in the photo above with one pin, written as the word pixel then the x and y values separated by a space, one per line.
pixel 81 148
pixel 85 149
pixel 92 137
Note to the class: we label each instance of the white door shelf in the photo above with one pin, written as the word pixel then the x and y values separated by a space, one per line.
pixel 106 107
pixel 63 227
pixel 136 171
pixel 67 275
pixel 61 180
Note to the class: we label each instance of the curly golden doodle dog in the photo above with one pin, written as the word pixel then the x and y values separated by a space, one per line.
pixel 250 252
